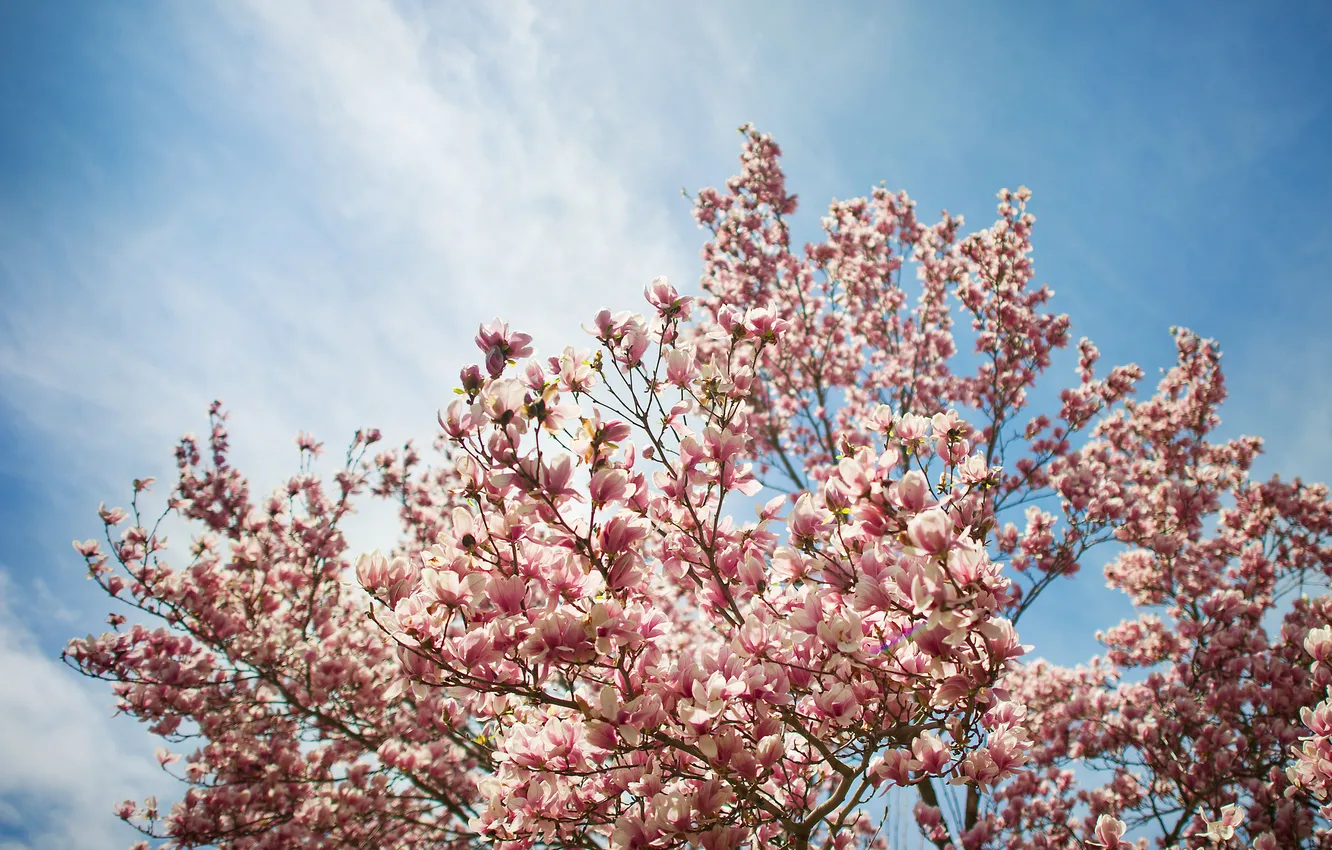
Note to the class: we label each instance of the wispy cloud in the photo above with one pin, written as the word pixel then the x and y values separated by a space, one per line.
pixel 66 761
pixel 420 180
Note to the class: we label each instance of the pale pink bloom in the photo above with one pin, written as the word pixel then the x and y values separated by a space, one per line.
pixel 475 649
pixel 449 588
pixel 621 533
pixel 951 451
pixel 573 370
pixel 929 753
pixel 1223 829
pixel 1110 832
pixel 730 321
pixel 559 637
pixel 838 704
pixel 372 571
pixel 944 424
pixel 501 345
pixel 607 326
pixel 771 508
pixel 807 522
pixel 1318 643
pixel 412 615
pixel 508 593
pixel 913 491
pixel 471 380
pixel 932 532
pixel 753 571
pixel 912 430
pixel 951 690
pixel 534 377
pixel 662 295
pixel 882 419
pixel 636 340
pixel 973 469
pixel 844 632
pixel 681 367
pixel 762 323
pixel 895 767
pixel 112 516
pixel 557 477
pixel 609 485
pixel 457 420
pixel 502 402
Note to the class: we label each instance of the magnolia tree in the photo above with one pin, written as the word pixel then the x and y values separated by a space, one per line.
pixel 259 650
pixel 590 635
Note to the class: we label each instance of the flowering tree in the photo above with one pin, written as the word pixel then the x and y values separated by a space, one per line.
pixel 1198 717
pixel 583 642
pixel 258 650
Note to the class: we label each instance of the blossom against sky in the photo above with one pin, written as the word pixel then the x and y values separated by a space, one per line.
pixel 308 208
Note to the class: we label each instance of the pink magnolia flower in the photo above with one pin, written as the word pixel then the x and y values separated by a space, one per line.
pixel 666 299
pixel 501 345
pixel 609 485
pixel 1223 829
pixel 932 532
pixel 929 753
pixel 1109 832
pixel 913 491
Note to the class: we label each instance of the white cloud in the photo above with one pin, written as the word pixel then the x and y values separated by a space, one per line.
pixel 385 178
pixel 1284 394
pixel 66 763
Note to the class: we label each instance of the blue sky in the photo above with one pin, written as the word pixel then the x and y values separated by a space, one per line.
pixel 307 212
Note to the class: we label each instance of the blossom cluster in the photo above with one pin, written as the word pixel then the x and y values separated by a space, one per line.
pixel 653 670
pixel 258 654
pixel 598 630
